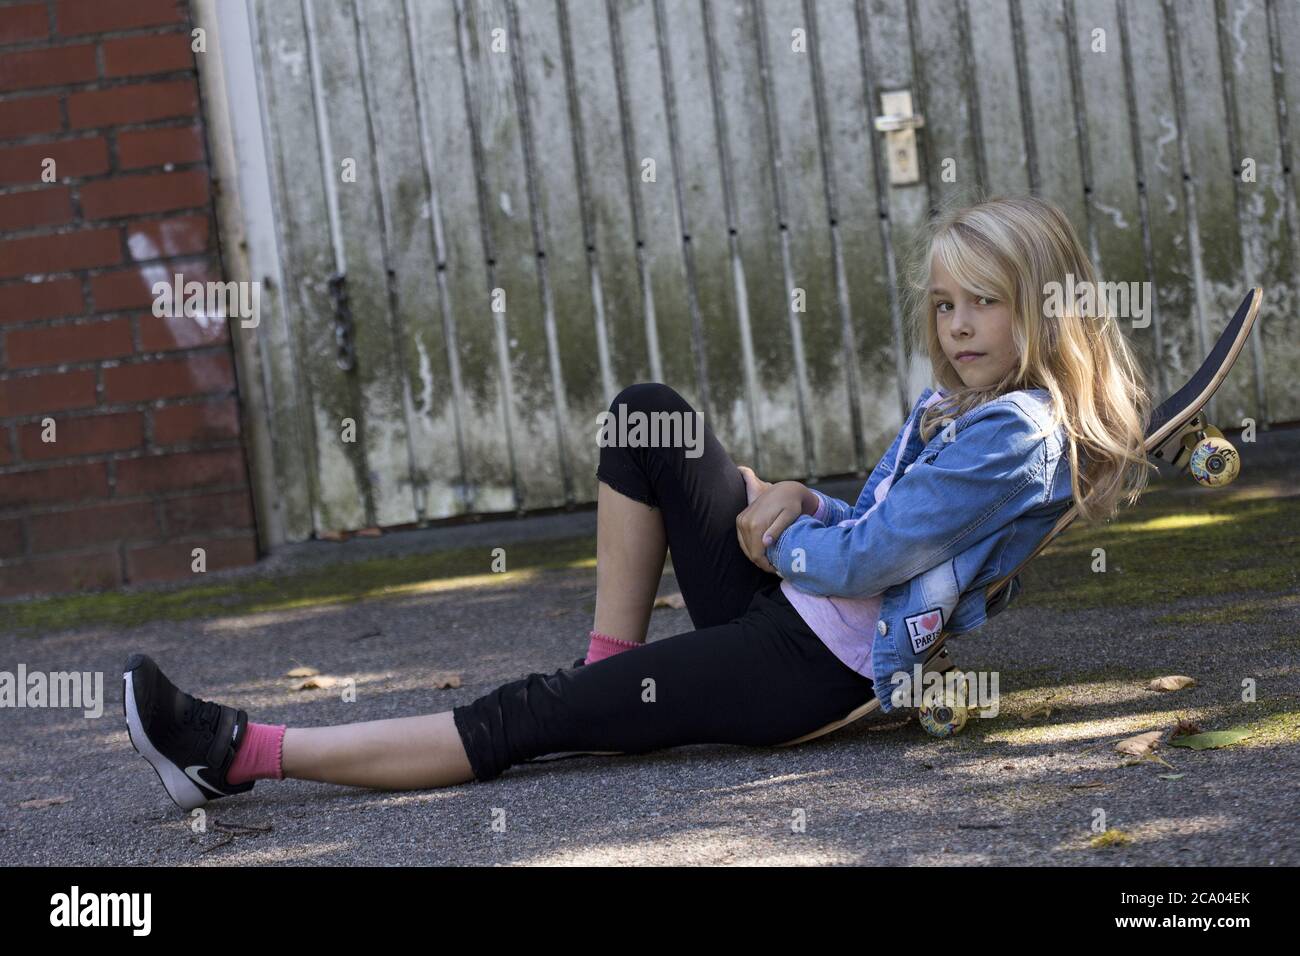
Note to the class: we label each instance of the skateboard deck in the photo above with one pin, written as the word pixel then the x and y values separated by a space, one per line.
pixel 1177 434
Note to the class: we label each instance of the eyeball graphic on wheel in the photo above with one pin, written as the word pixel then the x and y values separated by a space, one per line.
pixel 1214 462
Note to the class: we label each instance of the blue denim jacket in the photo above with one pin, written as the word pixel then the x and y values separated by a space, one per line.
pixel 971 504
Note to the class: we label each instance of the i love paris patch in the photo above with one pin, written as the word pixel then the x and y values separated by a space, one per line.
pixel 924 629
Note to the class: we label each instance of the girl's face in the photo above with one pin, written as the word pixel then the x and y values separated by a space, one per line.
pixel 975 325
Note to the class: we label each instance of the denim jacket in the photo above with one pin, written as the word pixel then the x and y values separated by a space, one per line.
pixel 970 505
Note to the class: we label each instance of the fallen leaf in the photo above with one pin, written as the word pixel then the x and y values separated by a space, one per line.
pixel 1086 786
pixel 1140 745
pixel 1110 838
pixel 330 535
pixel 1042 710
pixel 1185 728
pixel 1170 776
pixel 673 600
pixel 40 803
pixel 1174 682
pixel 1212 740
pixel 1155 758
pixel 369 533
pixel 320 682
pixel 443 681
pixel 303 672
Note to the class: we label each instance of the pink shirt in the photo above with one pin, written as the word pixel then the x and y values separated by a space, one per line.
pixel 847 625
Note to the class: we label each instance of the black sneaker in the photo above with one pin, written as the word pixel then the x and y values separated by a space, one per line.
pixel 190 742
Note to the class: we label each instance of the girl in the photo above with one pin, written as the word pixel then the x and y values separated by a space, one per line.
pixel 802 603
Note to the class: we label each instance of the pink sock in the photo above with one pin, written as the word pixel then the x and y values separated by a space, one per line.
pixel 603 646
pixel 258 757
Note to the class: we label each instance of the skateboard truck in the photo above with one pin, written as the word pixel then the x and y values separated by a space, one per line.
pixel 1200 448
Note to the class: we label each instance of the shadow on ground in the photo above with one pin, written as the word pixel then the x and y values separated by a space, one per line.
pixel 1195 582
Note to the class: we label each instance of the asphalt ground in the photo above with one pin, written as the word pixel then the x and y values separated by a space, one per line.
pixel 1026 787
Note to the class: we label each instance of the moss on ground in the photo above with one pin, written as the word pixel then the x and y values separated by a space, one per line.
pixel 1272 720
pixel 1256 611
pixel 1174 546
pixel 1176 543
pixel 332 584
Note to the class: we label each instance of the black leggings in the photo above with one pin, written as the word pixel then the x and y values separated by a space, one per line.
pixel 752 673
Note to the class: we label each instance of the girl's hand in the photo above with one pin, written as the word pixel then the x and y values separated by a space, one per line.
pixel 772 509
pixel 754 486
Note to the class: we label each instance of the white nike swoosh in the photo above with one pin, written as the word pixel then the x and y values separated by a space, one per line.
pixel 192 773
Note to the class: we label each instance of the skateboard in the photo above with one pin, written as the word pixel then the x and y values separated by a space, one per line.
pixel 1178 434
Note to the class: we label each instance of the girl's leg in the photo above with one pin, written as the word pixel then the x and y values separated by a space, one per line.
pixel 721 688
pixel 405 753
pixel 630 550
pixel 651 496
pixel 761 679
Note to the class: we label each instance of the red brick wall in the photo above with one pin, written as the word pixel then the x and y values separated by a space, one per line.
pixel 148 462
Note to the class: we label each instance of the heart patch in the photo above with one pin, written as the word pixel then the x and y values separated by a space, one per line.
pixel 924 629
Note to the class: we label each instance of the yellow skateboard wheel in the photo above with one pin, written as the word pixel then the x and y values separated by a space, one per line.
pixel 1214 461
pixel 946 714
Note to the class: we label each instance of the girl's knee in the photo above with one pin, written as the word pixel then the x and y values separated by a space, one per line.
pixel 649 396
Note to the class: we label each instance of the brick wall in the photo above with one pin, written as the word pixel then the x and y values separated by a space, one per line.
pixel 147 461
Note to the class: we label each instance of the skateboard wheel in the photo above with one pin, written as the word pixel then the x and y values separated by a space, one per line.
pixel 1214 461
pixel 946 715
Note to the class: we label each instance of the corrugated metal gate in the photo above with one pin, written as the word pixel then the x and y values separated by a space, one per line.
pixel 536 202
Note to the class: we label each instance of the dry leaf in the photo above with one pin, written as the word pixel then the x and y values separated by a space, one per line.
pixel 443 681
pixel 1110 838
pixel 1042 710
pixel 1186 728
pixel 1154 758
pixel 1087 786
pixel 40 803
pixel 303 672
pixel 330 535
pixel 673 600
pixel 1139 746
pixel 369 533
pixel 320 682
pixel 1175 682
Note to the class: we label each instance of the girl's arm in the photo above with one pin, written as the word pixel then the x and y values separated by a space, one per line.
pixel 826 509
pixel 986 478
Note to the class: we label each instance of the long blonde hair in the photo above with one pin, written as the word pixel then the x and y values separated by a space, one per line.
pixel 1010 249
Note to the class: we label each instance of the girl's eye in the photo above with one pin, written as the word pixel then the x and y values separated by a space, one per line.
pixel 982 300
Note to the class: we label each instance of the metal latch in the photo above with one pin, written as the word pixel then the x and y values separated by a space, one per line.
pixel 899 125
